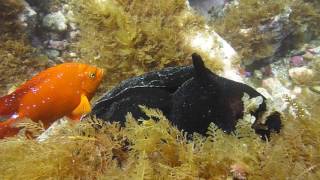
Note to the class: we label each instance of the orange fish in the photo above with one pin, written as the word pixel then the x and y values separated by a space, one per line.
pixel 63 90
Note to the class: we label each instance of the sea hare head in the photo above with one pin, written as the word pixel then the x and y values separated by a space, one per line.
pixel 207 98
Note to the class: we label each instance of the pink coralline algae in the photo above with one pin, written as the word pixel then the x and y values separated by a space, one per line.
pixel 297 61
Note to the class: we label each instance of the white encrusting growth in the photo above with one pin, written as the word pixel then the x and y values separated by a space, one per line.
pixel 209 42
pixel 52 130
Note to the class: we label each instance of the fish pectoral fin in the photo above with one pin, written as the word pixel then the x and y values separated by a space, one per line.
pixel 84 107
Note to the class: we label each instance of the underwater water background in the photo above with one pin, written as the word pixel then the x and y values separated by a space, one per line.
pixel 272 46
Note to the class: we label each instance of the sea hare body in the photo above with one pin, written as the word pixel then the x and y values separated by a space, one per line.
pixel 190 96
pixel 153 89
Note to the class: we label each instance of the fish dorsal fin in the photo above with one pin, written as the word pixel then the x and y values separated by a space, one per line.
pixel 83 107
pixel 202 73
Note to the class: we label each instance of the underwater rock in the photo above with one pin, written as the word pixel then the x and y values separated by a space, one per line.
pixel 301 75
pixel 52 53
pixel 58 45
pixel 297 61
pixel 309 56
pixel 53 129
pixel 315 89
pixel 190 96
pixel 208 42
pixel 17 16
pixel 208 8
pixel 55 21
pixel 277 29
pixel 277 92
pixel 72 35
pixel 315 51
pixel 45 6
pixel 52 28
pixel 28 17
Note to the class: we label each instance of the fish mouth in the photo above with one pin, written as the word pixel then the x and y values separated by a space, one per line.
pixel 100 72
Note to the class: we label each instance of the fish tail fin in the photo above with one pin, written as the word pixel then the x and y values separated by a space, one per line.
pixel 7 128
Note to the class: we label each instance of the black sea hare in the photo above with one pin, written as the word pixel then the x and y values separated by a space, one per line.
pixel 190 96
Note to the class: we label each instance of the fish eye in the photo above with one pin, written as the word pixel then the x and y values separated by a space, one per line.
pixel 92 75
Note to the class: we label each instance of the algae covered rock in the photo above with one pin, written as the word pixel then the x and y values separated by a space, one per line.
pixel 208 8
pixel 279 27
pixel 17 61
pixel 302 75
pixel 52 53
